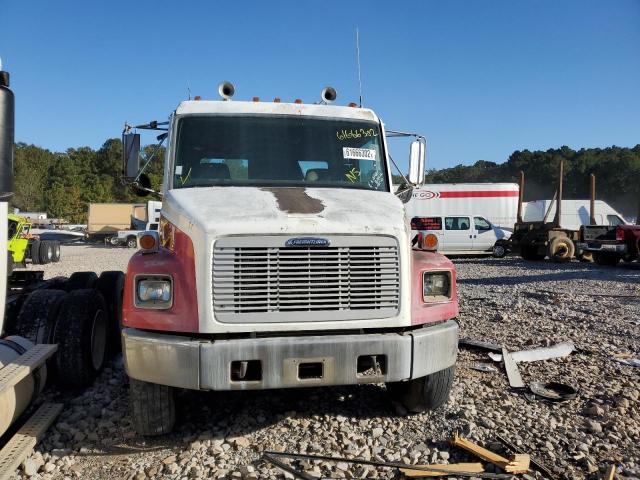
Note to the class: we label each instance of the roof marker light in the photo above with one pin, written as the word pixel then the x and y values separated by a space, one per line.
pixel 353 105
pixel 298 100
pixel 197 97
pixel 276 100
pixel 256 99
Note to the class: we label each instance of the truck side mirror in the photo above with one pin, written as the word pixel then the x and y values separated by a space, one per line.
pixel 130 154
pixel 417 160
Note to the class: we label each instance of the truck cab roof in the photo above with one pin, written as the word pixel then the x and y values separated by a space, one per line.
pixel 204 107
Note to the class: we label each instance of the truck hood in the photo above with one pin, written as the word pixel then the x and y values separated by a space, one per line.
pixel 284 210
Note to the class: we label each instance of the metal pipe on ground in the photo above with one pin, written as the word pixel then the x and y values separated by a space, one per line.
pixel 15 399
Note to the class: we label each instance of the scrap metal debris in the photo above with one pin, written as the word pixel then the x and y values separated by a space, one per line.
pixel 551 391
pixel 483 367
pixel 513 374
pixel 469 342
pixel 558 350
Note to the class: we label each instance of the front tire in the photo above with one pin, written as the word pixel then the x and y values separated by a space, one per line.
pixel 132 242
pixel 152 407
pixel 424 393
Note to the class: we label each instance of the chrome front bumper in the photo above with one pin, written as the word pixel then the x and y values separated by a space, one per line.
pixel 283 361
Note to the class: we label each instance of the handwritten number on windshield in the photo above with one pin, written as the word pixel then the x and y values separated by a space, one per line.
pixel 355 133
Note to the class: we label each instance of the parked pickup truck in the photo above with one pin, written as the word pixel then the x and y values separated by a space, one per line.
pixel 610 244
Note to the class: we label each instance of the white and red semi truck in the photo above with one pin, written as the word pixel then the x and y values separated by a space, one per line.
pixel 284 259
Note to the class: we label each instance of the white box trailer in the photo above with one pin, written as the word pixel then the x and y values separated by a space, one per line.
pixel 497 202
pixel 574 213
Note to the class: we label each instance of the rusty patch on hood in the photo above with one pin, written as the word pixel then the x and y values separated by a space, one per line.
pixel 295 200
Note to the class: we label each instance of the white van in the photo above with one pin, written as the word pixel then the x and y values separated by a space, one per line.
pixel 463 234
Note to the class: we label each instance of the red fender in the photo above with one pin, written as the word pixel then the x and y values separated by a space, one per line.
pixel 178 261
pixel 421 312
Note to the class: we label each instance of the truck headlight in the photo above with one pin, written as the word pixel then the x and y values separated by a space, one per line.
pixel 436 286
pixel 154 291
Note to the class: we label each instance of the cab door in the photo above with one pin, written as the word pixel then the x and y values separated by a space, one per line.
pixel 484 235
pixel 458 234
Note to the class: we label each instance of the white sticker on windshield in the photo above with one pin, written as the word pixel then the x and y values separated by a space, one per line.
pixel 178 169
pixel 359 153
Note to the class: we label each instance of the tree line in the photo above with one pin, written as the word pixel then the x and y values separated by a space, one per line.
pixel 63 184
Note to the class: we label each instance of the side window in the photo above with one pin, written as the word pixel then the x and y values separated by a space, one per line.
pixel 456 223
pixel 614 220
pixel 481 224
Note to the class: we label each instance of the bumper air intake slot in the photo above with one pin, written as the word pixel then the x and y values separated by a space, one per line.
pixel 246 371
pixel 311 370
pixel 372 366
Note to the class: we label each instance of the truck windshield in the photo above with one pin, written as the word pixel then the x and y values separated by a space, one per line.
pixel 278 151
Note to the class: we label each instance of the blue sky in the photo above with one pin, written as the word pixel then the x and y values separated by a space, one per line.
pixel 479 78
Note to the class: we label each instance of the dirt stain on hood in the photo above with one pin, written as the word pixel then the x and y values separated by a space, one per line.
pixel 295 200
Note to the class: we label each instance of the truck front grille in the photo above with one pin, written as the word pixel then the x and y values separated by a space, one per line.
pixel 356 277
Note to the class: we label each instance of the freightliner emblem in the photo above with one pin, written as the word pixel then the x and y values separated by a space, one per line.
pixel 307 242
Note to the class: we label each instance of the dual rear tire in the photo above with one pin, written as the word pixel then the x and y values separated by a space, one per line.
pixel 77 322
pixel 44 251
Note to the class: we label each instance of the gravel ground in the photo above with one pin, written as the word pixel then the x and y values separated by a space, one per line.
pixel 511 302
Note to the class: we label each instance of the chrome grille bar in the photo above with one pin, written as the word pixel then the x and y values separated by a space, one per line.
pixel 355 277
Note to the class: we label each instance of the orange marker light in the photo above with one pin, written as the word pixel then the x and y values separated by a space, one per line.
pixel 256 99
pixel 430 242
pixel 197 97
pixel 353 104
pixel 297 100
pixel 147 242
pixel 276 100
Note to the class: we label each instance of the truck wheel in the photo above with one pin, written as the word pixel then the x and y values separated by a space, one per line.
pixel 34 252
pixel 499 251
pixel 132 242
pixel 111 286
pixel 561 249
pixel 46 252
pixel 81 280
pixel 606 258
pixel 37 316
pixel 425 393
pixel 56 251
pixel 81 335
pixel 153 407
pixel 529 252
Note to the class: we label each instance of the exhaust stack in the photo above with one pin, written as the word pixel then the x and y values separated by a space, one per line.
pixel 556 220
pixel 520 197
pixel 592 201
pixel 7 132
